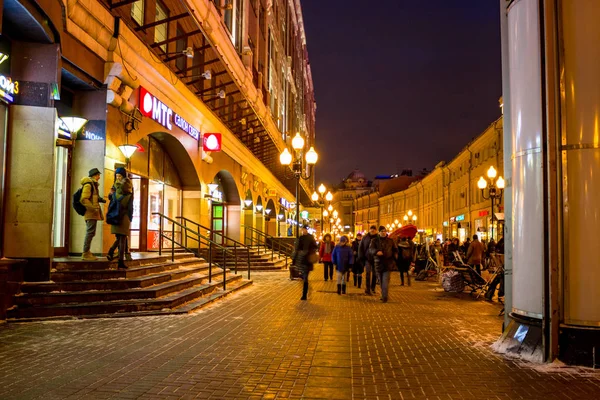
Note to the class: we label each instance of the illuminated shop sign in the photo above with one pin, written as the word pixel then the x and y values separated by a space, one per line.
pixel 460 217
pixel 285 203
pixel 155 109
pixel 8 88
pixel 94 130
pixel 186 127
pixel 211 142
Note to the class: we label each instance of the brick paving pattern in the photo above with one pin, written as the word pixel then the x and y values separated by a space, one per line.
pixel 264 343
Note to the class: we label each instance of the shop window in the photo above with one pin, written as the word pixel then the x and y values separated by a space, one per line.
pixel 161 31
pixel 137 12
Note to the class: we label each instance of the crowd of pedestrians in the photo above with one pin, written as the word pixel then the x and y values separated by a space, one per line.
pixel 377 255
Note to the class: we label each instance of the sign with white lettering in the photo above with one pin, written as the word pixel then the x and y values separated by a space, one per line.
pixel 185 126
pixel 93 130
pixel 155 109
pixel 285 203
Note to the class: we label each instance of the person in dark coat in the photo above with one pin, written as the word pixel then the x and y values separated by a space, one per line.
pixel 367 260
pixel 121 191
pixel 358 267
pixel 384 253
pixel 304 250
pixel 343 259
pixel 406 256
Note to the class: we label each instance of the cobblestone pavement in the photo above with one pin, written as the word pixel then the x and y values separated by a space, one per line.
pixel 264 343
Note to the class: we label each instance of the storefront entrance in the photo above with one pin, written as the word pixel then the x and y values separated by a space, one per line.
pixel 62 188
pixel 218 216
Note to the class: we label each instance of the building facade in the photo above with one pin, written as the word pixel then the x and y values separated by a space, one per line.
pixel 171 77
pixel 447 202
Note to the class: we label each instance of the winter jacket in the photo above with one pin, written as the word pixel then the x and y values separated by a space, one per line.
pixel 405 247
pixel 342 258
pixel 123 189
pixel 304 245
pixel 363 248
pixel 386 261
pixel 91 199
pixel 475 252
pixel 326 250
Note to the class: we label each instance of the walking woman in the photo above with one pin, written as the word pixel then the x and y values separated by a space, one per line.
pixel 305 255
pixel 122 191
pixel 343 259
pixel 325 254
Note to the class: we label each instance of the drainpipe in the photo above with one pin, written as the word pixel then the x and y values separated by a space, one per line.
pixel 469 189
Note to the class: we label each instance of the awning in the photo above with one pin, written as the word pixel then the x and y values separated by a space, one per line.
pixel 499 216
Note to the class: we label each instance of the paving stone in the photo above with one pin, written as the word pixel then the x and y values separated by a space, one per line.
pixel 264 343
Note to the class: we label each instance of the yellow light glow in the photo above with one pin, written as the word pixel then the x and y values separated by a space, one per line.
pixel 322 189
pixel 314 196
pixel 325 213
pixel 298 142
pixel 482 183
pixel 500 183
pixel 491 173
pixel 330 208
pixel 311 156
pixel 285 158
pixel 328 196
pixel 410 213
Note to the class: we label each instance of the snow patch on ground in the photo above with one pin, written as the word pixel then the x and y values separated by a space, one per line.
pixel 561 368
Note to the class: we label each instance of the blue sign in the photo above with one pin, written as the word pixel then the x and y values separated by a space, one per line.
pixel 460 217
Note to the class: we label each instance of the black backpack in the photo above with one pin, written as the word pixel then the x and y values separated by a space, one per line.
pixel 80 208
pixel 407 253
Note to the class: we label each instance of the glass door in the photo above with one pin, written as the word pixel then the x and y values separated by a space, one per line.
pixel 61 212
pixel 165 200
pixel 136 225
pixel 218 222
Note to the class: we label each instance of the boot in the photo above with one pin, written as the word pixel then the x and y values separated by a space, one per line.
pixel 304 291
pixel 339 289
pixel 359 281
pixel 355 279
pixel 343 289
pixel 110 256
pixel 88 256
pixel 121 265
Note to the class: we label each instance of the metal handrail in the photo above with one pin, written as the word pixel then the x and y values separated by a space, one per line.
pixel 286 254
pixel 235 242
pixel 199 238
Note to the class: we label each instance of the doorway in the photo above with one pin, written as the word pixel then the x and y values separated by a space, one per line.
pixel 218 214
pixel 62 188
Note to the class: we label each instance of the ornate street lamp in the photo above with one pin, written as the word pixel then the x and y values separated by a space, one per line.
pixel 319 199
pixel 495 190
pixel 298 167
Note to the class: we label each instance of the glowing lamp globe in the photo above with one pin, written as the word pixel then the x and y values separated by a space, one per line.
pixel 500 183
pixel 322 189
pixel 314 196
pixel 481 183
pixel 491 173
pixel 298 142
pixel 311 156
pixel 285 158
pixel 128 150
pixel 328 196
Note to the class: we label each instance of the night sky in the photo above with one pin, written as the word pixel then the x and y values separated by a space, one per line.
pixel 400 84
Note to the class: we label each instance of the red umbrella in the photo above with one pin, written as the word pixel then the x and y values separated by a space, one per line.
pixel 409 231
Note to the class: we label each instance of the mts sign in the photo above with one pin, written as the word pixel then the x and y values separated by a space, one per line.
pixel 153 108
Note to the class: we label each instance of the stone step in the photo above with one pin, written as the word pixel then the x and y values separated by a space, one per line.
pixel 73 263
pixel 114 273
pixel 91 296
pixel 186 299
pixel 115 284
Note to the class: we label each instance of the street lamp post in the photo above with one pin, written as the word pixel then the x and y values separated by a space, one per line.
pixel 319 199
pixel 495 191
pixel 310 157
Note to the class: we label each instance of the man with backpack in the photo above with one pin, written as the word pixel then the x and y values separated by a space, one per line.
pixel 90 199
pixel 406 248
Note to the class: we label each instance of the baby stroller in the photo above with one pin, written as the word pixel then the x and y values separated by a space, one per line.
pixel 430 270
pixel 470 277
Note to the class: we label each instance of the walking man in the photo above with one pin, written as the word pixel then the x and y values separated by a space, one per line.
pixel 384 253
pixel 91 199
pixel 367 260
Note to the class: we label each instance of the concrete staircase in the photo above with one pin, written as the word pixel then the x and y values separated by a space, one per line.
pixel 260 260
pixel 151 285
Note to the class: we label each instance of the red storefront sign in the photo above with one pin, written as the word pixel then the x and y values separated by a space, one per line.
pixel 484 213
pixel 211 142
